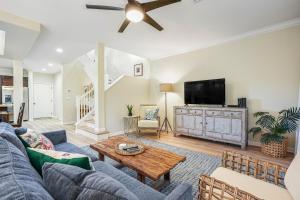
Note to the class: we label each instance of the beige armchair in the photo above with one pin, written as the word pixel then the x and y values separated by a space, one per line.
pixel 146 124
pixel 242 177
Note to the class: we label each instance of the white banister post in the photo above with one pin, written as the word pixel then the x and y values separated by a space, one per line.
pixel 78 108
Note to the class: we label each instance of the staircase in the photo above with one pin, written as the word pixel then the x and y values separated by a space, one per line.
pixel 85 124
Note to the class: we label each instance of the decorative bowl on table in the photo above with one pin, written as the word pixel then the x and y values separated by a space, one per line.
pixel 129 149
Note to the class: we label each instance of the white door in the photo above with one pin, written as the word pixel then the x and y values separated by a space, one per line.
pixel 42 101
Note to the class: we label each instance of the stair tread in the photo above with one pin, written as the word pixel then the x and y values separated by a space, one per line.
pixel 91 130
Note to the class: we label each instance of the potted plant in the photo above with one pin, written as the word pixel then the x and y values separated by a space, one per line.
pixel 273 129
pixel 130 109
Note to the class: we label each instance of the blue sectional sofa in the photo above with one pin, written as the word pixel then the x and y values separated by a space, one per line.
pixel 19 180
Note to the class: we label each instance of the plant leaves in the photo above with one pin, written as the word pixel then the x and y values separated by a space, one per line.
pixel 288 119
pixel 266 121
pixel 259 114
pixel 255 131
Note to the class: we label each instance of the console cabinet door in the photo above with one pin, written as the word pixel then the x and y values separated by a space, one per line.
pixel 222 125
pixel 188 121
pixel 179 121
pixel 236 127
pixel 210 124
pixel 199 123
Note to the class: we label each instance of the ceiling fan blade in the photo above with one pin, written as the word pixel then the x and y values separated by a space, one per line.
pixel 152 22
pixel 124 26
pixel 157 4
pixel 101 7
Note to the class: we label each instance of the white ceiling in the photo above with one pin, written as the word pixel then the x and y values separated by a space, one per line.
pixel 6 63
pixel 187 26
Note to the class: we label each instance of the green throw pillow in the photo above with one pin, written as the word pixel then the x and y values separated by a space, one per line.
pixel 40 156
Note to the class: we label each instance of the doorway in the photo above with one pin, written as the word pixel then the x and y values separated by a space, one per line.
pixel 42 100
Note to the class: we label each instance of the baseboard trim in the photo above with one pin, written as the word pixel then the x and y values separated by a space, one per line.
pixel 100 129
pixel 68 123
pixel 115 133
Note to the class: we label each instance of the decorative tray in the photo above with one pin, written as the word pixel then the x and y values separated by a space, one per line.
pixel 121 149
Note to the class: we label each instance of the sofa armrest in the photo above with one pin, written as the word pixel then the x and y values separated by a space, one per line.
pixel 56 137
pixel 260 169
pixel 211 188
pixel 181 192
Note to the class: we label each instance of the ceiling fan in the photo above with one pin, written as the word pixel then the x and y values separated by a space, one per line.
pixel 136 11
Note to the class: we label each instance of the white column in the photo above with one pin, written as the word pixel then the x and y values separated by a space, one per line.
pixel 18 87
pixel 31 99
pixel 99 89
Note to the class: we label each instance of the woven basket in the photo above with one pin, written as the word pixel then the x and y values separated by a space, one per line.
pixel 275 149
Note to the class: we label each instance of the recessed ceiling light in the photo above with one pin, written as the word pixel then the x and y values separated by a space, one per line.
pixel 2 42
pixel 59 50
pixel 50 64
pixel 44 69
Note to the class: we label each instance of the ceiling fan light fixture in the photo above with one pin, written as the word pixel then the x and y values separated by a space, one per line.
pixel 134 15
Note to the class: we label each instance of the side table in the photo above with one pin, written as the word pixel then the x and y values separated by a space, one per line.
pixel 130 123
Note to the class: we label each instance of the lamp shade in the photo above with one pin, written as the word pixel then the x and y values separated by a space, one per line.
pixel 166 87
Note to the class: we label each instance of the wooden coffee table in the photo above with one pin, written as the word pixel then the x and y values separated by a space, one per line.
pixel 152 163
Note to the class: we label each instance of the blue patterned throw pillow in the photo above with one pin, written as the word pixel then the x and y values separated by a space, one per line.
pixel 151 114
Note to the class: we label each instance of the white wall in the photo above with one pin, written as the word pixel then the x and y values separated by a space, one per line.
pixel 58 96
pixel 128 90
pixel 263 68
pixel 6 71
pixel 72 86
pixel 42 78
pixel 119 63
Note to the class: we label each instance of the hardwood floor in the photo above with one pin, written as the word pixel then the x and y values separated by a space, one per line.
pixel 199 145
pixel 215 148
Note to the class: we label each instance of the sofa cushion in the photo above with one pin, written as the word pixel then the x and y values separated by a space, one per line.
pixel 8 132
pixel 259 188
pixel 148 123
pixel 139 189
pixel 82 184
pixel 20 131
pixel 292 177
pixel 40 156
pixel 71 148
pixel 18 179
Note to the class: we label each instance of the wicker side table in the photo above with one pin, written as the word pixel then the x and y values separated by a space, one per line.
pixel 130 123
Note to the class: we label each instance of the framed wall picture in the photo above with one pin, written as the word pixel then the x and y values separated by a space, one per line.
pixel 138 69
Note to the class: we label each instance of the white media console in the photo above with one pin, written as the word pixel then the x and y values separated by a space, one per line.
pixel 222 124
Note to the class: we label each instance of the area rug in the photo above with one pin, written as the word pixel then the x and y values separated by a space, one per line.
pixel 189 171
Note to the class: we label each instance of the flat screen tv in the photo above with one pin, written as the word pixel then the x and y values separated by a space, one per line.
pixel 205 92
